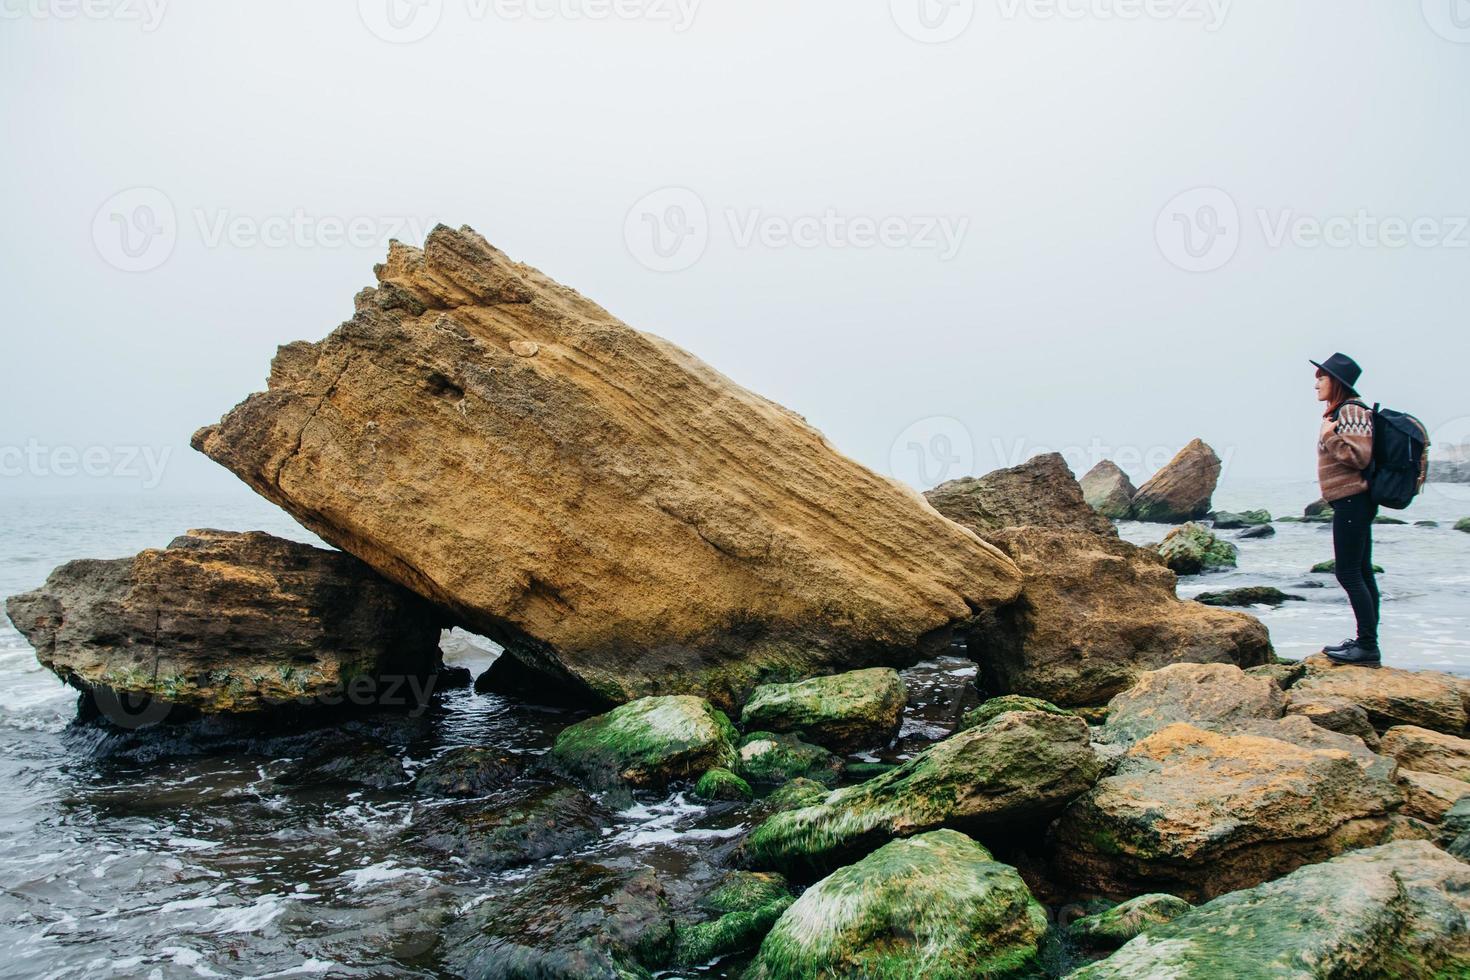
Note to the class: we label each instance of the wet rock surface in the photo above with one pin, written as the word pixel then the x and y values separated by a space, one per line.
pixel 844 712
pixel 647 744
pixel 223 622
pixel 522 827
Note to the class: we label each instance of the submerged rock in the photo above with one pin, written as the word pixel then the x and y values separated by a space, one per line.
pixel 1182 490
pixel 1192 549
pixel 224 622
pixel 470 771
pixel 1121 923
pixel 1018 768
pixel 1390 696
pixel 620 516
pixel 1258 531
pixel 575 921
pixel 354 764
pixel 1095 611
pixel 1463 524
pixel 740 910
pixel 770 759
pixel 1253 595
pixel 935 906
pixel 1227 521
pixel 1107 490
pixel 1399 910
pixel 647 744
pixel 1199 813
pixel 497 834
pixel 845 712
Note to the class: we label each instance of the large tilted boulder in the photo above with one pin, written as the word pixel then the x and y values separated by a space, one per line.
pixel 224 622
pixel 1207 695
pixel 1182 490
pixel 620 516
pixel 1107 490
pixel 1399 910
pixel 860 709
pixel 1199 813
pixel 1095 611
pixel 936 906
pixel 1019 768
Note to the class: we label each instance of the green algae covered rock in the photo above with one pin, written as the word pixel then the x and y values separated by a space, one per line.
pixel 1121 923
pixel 1401 910
pixel 1329 567
pixel 1006 702
pixel 935 906
pixel 844 712
pixel 722 784
pixel 741 907
pixel 1019 768
pixel 1226 520
pixel 648 743
pixel 770 759
pixel 1463 524
pixel 1193 548
pixel 798 793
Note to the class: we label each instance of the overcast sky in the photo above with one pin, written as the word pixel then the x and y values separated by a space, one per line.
pixel 949 235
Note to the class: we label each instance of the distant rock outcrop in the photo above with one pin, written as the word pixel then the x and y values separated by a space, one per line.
pixel 1108 490
pixel 624 519
pixel 1182 490
pixel 1095 611
pixel 230 623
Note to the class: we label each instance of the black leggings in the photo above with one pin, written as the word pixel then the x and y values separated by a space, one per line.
pixel 1352 546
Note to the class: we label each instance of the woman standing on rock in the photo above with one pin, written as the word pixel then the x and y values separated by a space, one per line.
pixel 1344 451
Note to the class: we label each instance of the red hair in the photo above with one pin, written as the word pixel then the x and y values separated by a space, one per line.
pixel 1337 392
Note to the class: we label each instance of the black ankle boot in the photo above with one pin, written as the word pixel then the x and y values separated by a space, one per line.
pixel 1356 655
pixel 1339 646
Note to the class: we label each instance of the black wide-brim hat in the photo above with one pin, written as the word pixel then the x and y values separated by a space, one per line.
pixel 1343 368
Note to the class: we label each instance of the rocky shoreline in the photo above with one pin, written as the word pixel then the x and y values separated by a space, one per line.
pixel 969 733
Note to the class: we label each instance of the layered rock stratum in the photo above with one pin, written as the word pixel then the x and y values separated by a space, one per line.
pixel 226 622
pixel 623 518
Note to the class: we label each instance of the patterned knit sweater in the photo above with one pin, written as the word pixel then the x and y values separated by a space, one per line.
pixel 1345 452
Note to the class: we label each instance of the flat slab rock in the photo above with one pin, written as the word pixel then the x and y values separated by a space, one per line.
pixel 1399 910
pixel 1391 696
pixel 1199 813
pixel 226 622
pixel 620 516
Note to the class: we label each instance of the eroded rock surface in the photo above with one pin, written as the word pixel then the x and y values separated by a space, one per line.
pixel 619 515
pixel 225 622
pixel 1182 490
pixel 1108 490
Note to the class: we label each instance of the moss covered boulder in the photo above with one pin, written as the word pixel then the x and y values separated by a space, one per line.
pixel 936 906
pixel 798 793
pixel 737 913
pixel 1191 549
pixel 1329 567
pixel 770 759
pixel 1463 524
pixel 1019 768
pixel 845 712
pixel 1401 910
pixel 722 784
pixel 648 743
pixel 1199 813
pixel 1235 520
pixel 995 707
pixel 1119 924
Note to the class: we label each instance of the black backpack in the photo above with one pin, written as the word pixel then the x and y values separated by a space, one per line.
pixel 1399 444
